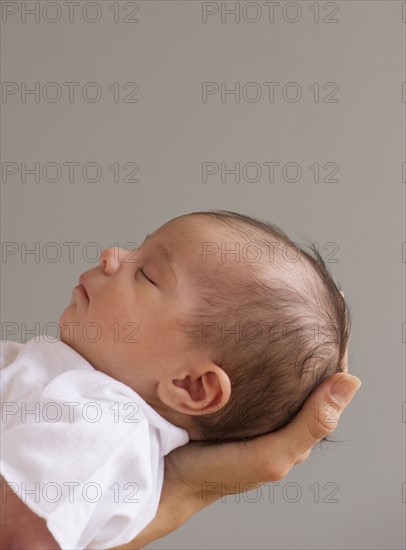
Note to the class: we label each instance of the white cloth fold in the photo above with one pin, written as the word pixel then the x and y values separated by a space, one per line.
pixel 81 449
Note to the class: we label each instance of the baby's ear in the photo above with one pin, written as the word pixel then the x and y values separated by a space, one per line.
pixel 201 390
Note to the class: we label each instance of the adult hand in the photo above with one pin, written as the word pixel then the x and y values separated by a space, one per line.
pixel 197 474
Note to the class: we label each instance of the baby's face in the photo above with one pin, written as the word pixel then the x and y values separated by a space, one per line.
pixel 125 326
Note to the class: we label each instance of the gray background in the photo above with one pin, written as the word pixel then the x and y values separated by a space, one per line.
pixel 169 132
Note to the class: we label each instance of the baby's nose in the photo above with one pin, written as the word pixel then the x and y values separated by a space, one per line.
pixel 111 259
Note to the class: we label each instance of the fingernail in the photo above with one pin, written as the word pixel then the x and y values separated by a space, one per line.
pixel 344 388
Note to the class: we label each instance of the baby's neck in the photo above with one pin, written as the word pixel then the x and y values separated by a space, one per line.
pixel 174 417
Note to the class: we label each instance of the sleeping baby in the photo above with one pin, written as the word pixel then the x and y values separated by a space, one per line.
pixel 218 327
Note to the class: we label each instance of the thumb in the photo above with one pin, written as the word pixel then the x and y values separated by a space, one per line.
pixel 319 415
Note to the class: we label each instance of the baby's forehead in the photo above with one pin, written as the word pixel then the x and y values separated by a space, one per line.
pixel 198 224
pixel 236 247
pixel 202 229
pixel 192 232
pixel 233 247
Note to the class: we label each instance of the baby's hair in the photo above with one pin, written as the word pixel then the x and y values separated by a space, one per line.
pixel 277 332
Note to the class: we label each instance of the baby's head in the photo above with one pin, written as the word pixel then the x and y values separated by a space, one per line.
pixel 218 320
pixel 274 320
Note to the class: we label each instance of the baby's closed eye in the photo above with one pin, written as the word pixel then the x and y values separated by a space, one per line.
pixel 141 270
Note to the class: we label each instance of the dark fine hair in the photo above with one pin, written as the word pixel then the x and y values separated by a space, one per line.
pixel 277 332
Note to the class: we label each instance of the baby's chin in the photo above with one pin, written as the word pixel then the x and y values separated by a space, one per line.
pixel 65 332
pixel 64 338
pixel 63 318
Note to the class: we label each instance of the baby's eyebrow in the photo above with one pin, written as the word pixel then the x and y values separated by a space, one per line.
pixel 165 252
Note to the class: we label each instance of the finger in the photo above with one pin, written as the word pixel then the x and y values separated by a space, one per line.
pixel 345 360
pixel 321 412
pixel 317 419
pixel 304 457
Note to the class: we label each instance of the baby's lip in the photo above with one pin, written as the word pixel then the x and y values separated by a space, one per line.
pixel 82 281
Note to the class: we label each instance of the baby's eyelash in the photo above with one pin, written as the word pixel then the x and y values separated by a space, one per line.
pixel 143 273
